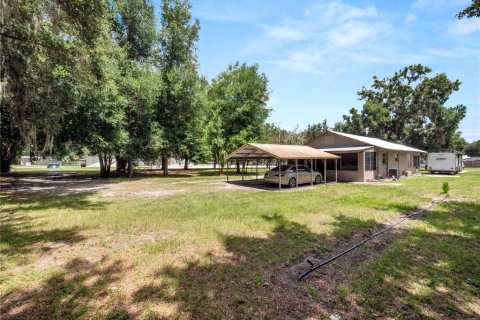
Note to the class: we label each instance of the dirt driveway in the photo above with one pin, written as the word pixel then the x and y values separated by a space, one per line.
pixel 41 183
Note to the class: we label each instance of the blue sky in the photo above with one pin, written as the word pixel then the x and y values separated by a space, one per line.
pixel 318 54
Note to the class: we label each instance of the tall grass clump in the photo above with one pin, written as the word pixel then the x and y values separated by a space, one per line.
pixel 445 188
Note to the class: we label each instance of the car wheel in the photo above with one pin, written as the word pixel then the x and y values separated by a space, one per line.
pixel 292 183
pixel 318 179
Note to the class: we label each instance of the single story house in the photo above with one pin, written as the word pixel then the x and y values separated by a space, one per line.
pixel 366 158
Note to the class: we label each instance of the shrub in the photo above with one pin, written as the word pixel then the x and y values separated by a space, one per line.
pixel 445 187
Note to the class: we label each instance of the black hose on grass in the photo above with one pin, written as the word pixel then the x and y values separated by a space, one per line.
pixel 313 267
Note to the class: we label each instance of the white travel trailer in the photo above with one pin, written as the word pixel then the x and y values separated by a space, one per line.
pixel 450 162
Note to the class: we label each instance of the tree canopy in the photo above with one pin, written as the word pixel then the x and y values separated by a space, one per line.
pixel 238 98
pixel 471 11
pixel 408 107
pixel 274 134
pixel 473 149
pixel 99 77
pixel 46 58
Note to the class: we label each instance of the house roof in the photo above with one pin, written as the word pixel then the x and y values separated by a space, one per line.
pixel 378 142
pixel 279 151
pixel 345 149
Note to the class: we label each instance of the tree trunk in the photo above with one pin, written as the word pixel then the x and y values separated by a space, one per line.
pixel 238 166
pixel 108 161
pixel 9 153
pixel 185 166
pixel 129 170
pixel 121 165
pixel 215 164
pixel 102 166
pixel 5 165
pixel 165 162
pixel 105 164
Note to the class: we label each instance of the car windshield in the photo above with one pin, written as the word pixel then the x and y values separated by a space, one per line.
pixel 283 168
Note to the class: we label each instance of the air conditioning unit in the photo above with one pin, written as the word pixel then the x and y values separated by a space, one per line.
pixel 394 173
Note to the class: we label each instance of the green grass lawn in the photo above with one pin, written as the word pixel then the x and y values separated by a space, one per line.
pixel 192 246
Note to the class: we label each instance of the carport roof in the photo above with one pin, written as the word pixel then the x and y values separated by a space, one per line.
pixel 346 149
pixel 278 151
pixel 369 141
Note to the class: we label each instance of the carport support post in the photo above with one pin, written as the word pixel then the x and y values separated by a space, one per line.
pixel 279 176
pixel 335 170
pixel 257 170
pixel 325 171
pixel 243 167
pixel 296 173
pixel 311 173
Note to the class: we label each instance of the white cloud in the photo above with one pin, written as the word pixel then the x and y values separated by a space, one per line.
pixel 283 33
pixel 326 35
pixel 307 59
pixel 411 17
pixel 334 36
pixel 419 4
pixel 351 34
pixel 439 5
pixel 430 4
pixel 464 27
pixel 338 11
pixel 227 11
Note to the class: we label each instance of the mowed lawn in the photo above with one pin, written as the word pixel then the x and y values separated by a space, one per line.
pixel 193 246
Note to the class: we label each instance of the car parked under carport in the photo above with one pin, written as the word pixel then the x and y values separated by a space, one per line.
pixel 288 175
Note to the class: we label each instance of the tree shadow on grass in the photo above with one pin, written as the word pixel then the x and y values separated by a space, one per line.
pixel 76 201
pixel 458 216
pixel 19 236
pixel 251 281
pixel 398 207
pixel 81 289
pixel 430 271
pixel 412 273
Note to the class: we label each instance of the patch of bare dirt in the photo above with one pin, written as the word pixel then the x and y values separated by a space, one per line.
pixel 163 193
pixel 54 183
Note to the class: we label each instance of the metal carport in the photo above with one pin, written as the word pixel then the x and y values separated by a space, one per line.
pixel 257 151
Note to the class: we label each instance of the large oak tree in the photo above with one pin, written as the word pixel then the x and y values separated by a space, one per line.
pixel 408 107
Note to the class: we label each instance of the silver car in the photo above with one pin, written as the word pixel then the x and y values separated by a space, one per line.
pixel 289 175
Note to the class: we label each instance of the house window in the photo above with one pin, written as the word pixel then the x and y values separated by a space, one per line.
pixel 350 161
pixel 396 157
pixel 409 160
pixel 370 163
